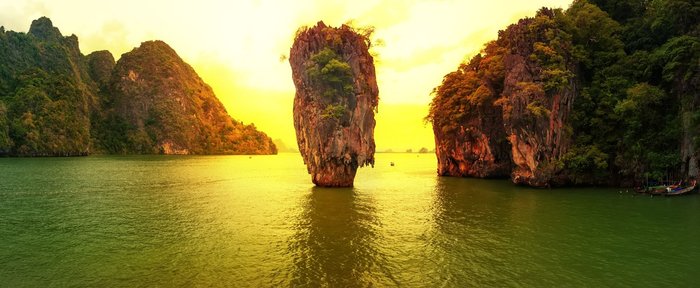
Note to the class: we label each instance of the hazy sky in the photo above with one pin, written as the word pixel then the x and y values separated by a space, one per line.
pixel 236 47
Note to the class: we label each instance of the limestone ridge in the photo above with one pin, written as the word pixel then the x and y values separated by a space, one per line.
pixel 582 96
pixel 54 101
pixel 172 110
pixel 43 29
pixel 335 101
pixel 510 118
pixel 46 94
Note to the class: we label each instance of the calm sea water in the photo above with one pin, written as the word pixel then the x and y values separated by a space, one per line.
pixel 258 221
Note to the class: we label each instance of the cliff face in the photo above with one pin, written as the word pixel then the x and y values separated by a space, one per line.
pixel 45 93
pixel 168 109
pixel 506 111
pixel 336 98
pixel 469 137
pixel 574 97
pixel 689 88
pixel 478 148
pixel 56 102
pixel 539 87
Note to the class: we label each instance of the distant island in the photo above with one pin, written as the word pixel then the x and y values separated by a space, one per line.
pixel 54 101
pixel 603 93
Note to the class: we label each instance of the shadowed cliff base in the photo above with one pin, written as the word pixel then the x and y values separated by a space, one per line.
pixel 335 101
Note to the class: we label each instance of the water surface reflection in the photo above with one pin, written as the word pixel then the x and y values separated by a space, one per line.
pixel 470 232
pixel 335 243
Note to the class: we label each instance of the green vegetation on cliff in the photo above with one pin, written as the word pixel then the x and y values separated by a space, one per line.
pixel 333 77
pixel 158 104
pixel 335 101
pixel 54 101
pixel 632 67
pixel 46 92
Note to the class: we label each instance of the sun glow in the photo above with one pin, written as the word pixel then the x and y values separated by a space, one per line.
pixel 236 47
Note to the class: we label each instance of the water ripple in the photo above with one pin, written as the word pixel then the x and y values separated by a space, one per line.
pixel 258 222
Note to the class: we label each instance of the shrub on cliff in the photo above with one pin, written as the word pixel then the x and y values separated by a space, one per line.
pixel 333 78
pixel 5 140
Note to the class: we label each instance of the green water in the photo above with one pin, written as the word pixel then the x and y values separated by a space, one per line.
pixel 242 221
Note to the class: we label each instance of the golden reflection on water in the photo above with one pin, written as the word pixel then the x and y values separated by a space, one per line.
pixel 335 240
pixel 257 222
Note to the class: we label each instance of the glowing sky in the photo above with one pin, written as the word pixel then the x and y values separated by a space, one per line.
pixel 236 47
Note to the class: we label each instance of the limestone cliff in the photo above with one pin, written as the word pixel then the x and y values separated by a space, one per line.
pixel 689 89
pixel 468 125
pixel 46 94
pixel 505 112
pixel 168 109
pixel 538 91
pixel 336 98
pixel 574 97
pixel 54 101
pixel 100 66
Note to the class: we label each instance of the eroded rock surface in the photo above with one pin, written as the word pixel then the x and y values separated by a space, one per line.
pixel 505 112
pixel 537 105
pixel 164 107
pixel 336 98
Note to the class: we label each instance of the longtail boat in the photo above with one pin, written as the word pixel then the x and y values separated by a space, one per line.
pixel 680 191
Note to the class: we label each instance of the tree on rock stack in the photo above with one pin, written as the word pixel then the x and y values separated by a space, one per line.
pixel 336 98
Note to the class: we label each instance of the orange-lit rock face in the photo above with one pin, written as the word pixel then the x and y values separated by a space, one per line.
pixel 535 117
pixel 503 114
pixel 334 125
pixel 478 149
pixel 172 110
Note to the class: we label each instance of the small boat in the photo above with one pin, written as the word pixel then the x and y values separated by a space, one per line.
pixel 680 191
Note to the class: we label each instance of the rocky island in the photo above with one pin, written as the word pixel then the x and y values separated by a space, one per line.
pixel 583 96
pixel 54 101
pixel 335 101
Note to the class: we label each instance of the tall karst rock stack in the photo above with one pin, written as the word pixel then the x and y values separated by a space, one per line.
pixel 336 98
